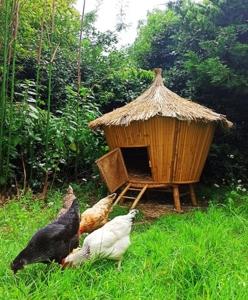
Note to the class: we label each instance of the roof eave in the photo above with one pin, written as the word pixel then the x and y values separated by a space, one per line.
pixel 98 123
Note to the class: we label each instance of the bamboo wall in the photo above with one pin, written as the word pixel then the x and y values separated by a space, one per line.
pixel 177 149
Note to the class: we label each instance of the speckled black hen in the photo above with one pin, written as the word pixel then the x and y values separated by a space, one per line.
pixel 53 242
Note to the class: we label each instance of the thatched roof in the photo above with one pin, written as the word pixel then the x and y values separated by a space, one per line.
pixel 158 100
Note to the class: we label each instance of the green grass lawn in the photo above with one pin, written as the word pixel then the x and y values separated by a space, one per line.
pixel 198 255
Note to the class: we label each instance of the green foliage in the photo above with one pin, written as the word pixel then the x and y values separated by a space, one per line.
pixel 157 21
pixel 68 136
pixel 197 255
pixel 203 49
pixel 46 130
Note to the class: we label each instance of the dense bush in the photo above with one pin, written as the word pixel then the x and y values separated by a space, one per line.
pixel 69 138
pixel 203 49
pixel 44 117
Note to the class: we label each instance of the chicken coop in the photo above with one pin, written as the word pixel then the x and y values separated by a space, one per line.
pixel 159 140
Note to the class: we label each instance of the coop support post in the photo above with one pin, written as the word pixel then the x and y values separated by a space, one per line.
pixel 192 195
pixel 176 197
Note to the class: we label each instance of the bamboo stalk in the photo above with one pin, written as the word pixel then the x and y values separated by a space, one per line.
pixel 39 53
pixel 14 39
pixel 80 47
pixel 3 98
pixel 79 85
pixel 37 82
pixel 11 41
pixel 12 29
pixel 45 188
pixel 50 78
pixel 54 54
pixel 24 174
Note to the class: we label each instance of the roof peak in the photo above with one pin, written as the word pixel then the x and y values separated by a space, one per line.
pixel 158 77
pixel 158 100
pixel 158 71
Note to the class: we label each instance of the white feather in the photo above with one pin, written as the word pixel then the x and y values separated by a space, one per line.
pixel 110 241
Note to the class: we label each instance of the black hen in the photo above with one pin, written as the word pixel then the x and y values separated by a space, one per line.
pixel 53 242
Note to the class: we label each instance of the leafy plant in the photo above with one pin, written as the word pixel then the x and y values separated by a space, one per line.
pixel 202 48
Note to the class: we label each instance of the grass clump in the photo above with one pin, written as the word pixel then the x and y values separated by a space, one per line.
pixel 198 255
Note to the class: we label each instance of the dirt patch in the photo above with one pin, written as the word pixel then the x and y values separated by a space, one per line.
pixel 156 203
pixel 154 209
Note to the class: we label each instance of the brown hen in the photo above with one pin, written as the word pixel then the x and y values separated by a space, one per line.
pixel 67 201
pixel 97 215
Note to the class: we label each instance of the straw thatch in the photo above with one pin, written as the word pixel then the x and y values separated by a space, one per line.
pixel 159 101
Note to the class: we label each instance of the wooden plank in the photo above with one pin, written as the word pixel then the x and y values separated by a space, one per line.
pixel 200 144
pixel 192 195
pixel 205 151
pixel 150 184
pixel 174 152
pixel 113 169
pixel 176 197
pixel 129 197
pixel 121 194
pixel 139 197
pixel 194 140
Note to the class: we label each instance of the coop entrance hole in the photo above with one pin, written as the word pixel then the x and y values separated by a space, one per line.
pixel 137 163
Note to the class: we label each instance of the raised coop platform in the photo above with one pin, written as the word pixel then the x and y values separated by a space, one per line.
pixel 140 188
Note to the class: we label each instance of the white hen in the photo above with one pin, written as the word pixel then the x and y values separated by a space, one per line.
pixel 110 241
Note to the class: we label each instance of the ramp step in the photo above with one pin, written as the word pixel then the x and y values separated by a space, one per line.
pixel 136 199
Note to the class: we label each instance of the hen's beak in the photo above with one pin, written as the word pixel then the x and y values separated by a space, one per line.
pixel 65 264
pixel 14 271
pixel 113 196
pixel 81 230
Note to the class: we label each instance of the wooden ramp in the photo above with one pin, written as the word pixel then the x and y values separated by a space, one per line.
pixel 136 199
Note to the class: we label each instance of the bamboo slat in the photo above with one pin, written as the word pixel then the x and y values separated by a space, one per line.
pixel 177 149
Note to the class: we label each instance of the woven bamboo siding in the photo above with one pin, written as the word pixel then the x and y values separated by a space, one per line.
pixel 177 149
pixel 192 146
pixel 203 156
pixel 156 133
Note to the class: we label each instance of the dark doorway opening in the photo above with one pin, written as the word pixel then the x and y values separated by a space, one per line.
pixel 136 160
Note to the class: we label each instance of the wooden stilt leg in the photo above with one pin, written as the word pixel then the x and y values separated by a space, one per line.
pixel 192 195
pixel 176 197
